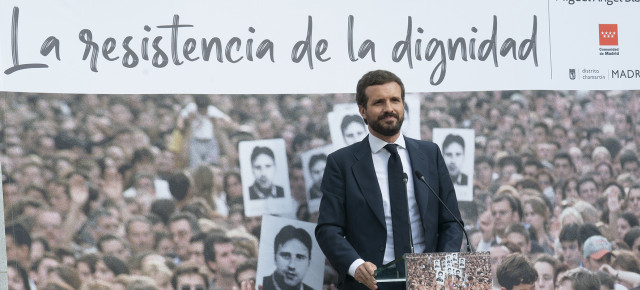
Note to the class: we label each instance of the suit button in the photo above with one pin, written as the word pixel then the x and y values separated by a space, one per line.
pixel 381 249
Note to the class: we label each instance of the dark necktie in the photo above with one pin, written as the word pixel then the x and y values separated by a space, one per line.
pixel 398 201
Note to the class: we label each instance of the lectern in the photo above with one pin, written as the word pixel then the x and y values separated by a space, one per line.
pixel 438 270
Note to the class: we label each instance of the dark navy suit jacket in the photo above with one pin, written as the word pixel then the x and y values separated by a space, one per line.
pixel 351 223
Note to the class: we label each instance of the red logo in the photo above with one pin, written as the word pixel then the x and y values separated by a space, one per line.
pixel 608 34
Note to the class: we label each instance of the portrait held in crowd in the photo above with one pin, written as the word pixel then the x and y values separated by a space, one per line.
pixel 458 149
pixel 313 163
pixel 346 125
pixel 264 170
pixel 290 257
pixel 411 124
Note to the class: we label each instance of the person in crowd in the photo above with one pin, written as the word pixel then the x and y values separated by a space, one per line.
pixel 536 214
pixel 596 252
pixel 246 272
pixel 578 279
pixel 221 260
pixel 504 209
pixel 139 233
pixel 109 267
pixel 182 226
pixel 516 272
pixel 546 266
pixel 189 276
pixel 17 278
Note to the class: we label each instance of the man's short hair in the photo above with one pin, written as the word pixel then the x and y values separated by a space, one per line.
pixel 628 157
pixel 542 125
pixel 199 237
pixel 519 127
pixel 290 232
pixel 514 204
pixel 511 160
pixel 580 278
pixel 631 236
pixel 348 119
pixel 586 231
pixel 584 180
pixel 109 237
pixel 534 162
pixel 518 229
pixel 569 233
pixel 142 155
pixel 250 264
pixel 516 269
pixel 374 78
pixel 565 155
pixel 137 218
pixel 19 233
pixel 186 268
pixel 484 159
pixel 315 158
pixel 209 245
pixel 179 184
pixel 189 217
pixel 261 150
pixel 451 138
pixel 202 101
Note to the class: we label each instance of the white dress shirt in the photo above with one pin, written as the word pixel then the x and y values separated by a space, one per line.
pixel 380 161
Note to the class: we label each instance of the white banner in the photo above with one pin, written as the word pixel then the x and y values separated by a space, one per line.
pixel 271 47
pixel 286 46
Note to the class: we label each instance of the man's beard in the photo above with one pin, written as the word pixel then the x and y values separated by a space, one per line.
pixel 379 126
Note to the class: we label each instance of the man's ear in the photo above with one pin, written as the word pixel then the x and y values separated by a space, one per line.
pixel 212 266
pixel 363 113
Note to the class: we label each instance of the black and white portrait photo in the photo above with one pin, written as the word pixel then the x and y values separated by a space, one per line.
pixel 290 257
pixel 458 147
pixel 313 163
pixel 265 177
pixel 346 125
pixel 411 124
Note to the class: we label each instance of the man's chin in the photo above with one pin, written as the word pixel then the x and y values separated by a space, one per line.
pixel 386 130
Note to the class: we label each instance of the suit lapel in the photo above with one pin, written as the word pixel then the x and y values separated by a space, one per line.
pixel 419 161
pixel 365 175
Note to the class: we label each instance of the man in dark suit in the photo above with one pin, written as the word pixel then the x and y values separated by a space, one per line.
pixel 263 167
pixel 292 249
pixel 453 151
pixel 355 229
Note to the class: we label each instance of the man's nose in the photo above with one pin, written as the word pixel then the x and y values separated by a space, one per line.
pixel 387 106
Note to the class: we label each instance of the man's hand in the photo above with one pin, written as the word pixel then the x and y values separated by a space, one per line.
pixel 113 184
pixel 486 226
pixel 247 285
pixel 78 190
pixel 612 201
pixel 364 275
pixel 608 269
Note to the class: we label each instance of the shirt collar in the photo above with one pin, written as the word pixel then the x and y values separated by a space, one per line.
pixel 378 144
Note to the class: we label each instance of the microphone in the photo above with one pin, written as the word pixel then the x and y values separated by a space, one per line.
pixel 405 179
pixel 421 177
